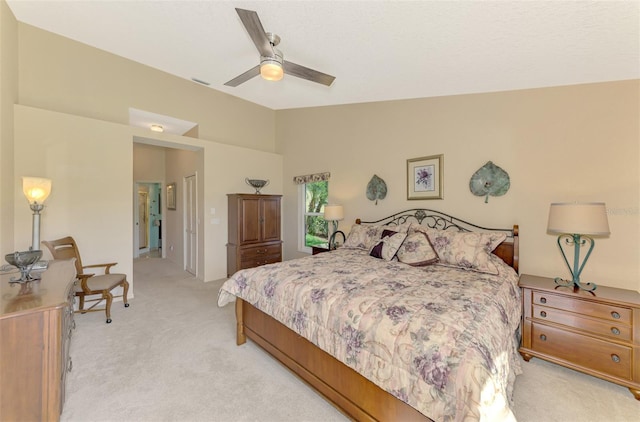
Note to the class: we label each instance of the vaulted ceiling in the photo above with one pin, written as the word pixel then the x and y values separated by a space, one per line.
pixel 377 50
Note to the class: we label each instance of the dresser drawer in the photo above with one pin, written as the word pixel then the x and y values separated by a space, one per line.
pixel 260 251
pixel 598 310
pixel 256 261
pixel 588 352
pixel 612 329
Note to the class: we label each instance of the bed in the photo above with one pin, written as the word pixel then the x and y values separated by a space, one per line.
pixel 395 336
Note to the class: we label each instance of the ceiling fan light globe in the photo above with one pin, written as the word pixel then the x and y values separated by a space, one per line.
pixel 271 70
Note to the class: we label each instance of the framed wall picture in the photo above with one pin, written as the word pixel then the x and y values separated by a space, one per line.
pixel 171 196
pixel 425 177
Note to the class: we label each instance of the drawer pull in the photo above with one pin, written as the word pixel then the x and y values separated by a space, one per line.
pixel 543 300
pixel 615 315
pixel 69 364
pixel 543 337
pixel 615 358
pixel 543 314
pixel 615 331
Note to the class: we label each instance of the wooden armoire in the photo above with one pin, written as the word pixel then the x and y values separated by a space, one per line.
pixel 254 231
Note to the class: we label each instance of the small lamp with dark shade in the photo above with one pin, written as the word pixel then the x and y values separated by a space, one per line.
pixel 576 223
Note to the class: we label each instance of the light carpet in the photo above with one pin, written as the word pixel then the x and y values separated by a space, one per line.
pixel 172 356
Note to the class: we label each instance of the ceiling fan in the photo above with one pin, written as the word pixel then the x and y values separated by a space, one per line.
pixel 272 64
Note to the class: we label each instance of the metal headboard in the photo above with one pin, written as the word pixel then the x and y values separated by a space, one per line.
pixel 435 220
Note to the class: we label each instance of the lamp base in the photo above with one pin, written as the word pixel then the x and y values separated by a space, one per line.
pixel 577 241
pixel 590 287
pixel 332 240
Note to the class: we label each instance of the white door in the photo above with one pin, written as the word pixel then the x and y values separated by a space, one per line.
pixel 191 225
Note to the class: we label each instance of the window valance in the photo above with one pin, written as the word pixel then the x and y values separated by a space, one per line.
pixel 310 178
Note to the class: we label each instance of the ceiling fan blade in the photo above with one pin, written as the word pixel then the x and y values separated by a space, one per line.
pixel 308 74
pixel 253 72
pixel 252 24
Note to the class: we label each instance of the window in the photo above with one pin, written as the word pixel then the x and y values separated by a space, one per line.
pixel 313 228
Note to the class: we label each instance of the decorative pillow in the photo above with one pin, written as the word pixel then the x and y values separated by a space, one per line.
pixel 401 228
pixel 495 239
pixel 388 245
pixel 467 250
pixel 362 237
pixel 416 250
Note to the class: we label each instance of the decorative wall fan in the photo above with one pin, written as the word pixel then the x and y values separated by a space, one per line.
pixel 272 64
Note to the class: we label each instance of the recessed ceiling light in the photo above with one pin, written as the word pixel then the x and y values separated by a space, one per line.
pixel 157 128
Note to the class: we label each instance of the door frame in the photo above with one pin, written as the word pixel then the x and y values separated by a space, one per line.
pixel 185 220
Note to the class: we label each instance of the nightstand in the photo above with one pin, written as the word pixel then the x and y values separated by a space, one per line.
pixel 596 333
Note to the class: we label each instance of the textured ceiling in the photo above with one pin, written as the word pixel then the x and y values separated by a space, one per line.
pixel 378 50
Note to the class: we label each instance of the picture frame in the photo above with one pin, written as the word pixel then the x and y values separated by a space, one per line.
pixel 171 196
pixel 425 178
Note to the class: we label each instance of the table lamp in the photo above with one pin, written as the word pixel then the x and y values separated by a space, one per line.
pixel 37 190
pixel 333 213
pixel 575 223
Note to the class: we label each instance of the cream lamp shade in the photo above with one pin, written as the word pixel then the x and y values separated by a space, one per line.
pixel 588 218
pixel 36 189
pixel 333 212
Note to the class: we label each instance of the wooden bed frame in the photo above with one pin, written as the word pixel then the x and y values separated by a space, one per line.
pixel 354 395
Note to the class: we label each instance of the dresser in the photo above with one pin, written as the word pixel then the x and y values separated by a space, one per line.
pixel 254 231
pixel 36 323
pixel 596 333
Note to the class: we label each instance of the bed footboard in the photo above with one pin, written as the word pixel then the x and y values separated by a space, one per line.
pixel 348 391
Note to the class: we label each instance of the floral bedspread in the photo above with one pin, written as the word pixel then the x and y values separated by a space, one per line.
pixel 441 339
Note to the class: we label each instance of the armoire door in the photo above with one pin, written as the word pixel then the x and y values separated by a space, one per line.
pixel 251 216
pixel 270 219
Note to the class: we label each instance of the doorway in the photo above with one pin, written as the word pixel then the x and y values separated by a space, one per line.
pixel 148 220
pixel 179 231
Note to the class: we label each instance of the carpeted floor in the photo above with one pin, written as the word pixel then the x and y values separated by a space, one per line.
pixel 171 356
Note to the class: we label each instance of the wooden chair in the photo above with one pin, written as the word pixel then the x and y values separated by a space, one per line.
pixel 90 284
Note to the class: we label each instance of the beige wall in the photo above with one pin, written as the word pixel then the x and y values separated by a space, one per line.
pixel 90 163
pixel 59 74
pixel 8 96
pixel 575 143
pixel 148 163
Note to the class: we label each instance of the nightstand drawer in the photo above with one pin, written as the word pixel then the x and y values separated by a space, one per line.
pixel 598 310
pixel 613 329
pixel 598 355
